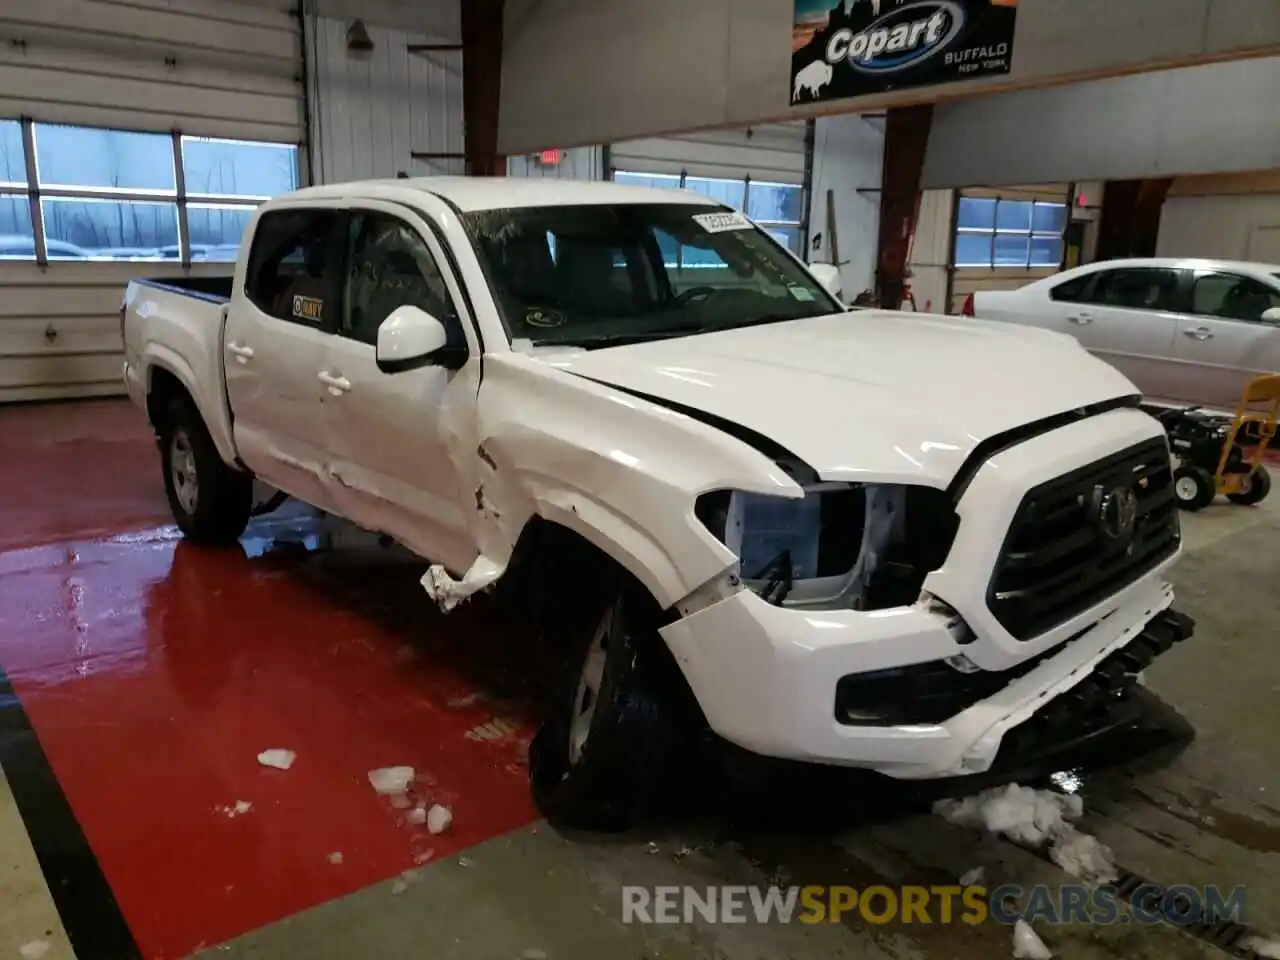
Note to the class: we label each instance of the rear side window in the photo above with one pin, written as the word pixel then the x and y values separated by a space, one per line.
pixel 289 274
pixel 1140 288
pixel 1073 290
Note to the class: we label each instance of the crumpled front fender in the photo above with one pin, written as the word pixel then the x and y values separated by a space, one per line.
pixel 622 472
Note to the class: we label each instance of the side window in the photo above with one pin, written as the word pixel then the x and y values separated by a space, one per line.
pixel 288 276
pixel 1232 297
pixel 1073 290
pixel 1141 288
pixel 388 266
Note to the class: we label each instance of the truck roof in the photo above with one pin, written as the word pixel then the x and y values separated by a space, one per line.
pixel 493 193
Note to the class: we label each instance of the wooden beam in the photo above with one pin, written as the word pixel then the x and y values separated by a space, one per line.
pixel 482 85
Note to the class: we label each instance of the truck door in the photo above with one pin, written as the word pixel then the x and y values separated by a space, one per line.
pixel 281 313
pixel 396 440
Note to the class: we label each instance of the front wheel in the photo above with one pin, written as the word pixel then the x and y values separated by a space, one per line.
pixel 210 501
pixel 1194 487
pixel 607 735
pixel 1256 487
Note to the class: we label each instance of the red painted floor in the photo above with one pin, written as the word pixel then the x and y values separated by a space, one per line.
pixel 154 673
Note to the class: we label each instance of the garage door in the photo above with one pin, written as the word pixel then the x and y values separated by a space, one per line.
pixel 135 139
pixel 759 170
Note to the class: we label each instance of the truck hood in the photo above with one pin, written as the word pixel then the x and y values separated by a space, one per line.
pixel 865 395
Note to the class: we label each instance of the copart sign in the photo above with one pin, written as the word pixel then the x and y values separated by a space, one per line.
pixel 847 48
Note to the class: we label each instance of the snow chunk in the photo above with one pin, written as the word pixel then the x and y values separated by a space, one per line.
pixel 972 877
pixel 399 887
pixel 1036 818
pixel 34 949
pixel 448 592
pixel 335 858
pixel 439 818
pixel 391 780
pixel 280 759
pixel 1027 945
pixel 1262 947
pixel 418 815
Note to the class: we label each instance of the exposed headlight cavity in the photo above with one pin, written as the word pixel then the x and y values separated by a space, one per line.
pixel 843 546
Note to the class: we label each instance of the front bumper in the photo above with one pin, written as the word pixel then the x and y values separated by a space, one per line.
pixel 766 678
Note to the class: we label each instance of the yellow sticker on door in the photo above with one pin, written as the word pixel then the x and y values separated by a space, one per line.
pixel 308 308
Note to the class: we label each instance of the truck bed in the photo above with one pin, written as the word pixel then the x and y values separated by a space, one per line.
pixel 215 289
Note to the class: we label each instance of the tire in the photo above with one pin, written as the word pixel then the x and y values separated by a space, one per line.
pixel 210 501
pixel 1259 485
pixel 1193 487
pixel 592 767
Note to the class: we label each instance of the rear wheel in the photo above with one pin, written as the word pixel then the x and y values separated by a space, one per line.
pixel 1194 487
pixel 210 501
pixel 608 732
pixel 1256 487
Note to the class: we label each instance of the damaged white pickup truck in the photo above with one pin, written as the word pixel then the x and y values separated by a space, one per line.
pixel 907 543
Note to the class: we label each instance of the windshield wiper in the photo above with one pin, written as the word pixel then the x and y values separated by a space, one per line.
pixel 619 339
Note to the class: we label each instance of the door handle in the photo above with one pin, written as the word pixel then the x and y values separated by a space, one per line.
pixel 1081 319
pixel 240 352
pixel 337 385
pixel 1199 333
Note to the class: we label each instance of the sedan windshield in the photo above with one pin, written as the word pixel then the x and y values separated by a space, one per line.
pixel 603 275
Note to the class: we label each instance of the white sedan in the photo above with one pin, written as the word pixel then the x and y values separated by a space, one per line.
pixel 1184 331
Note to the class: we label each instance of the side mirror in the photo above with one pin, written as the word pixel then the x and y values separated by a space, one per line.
pixel 1271 316
pixel 410 338
pixel 827 274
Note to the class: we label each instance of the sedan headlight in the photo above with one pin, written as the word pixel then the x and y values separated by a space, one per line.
pixel 841 546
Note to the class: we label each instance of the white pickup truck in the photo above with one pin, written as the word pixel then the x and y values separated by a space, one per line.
pixel 913 544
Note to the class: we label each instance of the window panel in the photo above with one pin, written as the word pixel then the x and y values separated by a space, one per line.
pixel 13 158
pixel 1049 218
pixel 288 259
pixel 729 192
pixel 774 201
pixel 1046 251
pixel 17 239
pixel 976 214
pixel 1232 297
pixel 215 230
pixel 103 159
pixel 973 250
pixel 108 229
pixel 1014 215
pixel 1011 251
pixel 237 168
pixel 1136 289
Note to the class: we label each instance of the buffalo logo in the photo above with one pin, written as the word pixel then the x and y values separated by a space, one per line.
pixel 1115 511
pixel 900 39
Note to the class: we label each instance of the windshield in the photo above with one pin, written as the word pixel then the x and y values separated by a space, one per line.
pixel 602 275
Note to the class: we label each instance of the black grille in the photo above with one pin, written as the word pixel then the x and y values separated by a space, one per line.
pixel 1057 561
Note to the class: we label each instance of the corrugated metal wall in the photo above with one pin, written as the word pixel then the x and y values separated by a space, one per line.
pixel 772 151
pixel 370 116
pixel 205 67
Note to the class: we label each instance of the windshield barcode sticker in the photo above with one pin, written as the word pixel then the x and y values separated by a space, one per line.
pixel 720 222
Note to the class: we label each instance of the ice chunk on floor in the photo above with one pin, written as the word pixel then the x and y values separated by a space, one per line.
pixel 418 815
pixel 1262 946
pixel 34 949
pixel 972 877
pixel 1027 945
pixel 278 758
pixel 439 818
pixel 391 780
pixel 1036 818
pixel 399 887
pixel 335 858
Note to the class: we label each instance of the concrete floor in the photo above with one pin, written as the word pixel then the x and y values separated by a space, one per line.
pixel 150 719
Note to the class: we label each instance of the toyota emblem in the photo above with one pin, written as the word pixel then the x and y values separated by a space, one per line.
pixel 1115 511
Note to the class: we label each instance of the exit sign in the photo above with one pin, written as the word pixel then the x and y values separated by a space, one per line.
pixel 550 158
